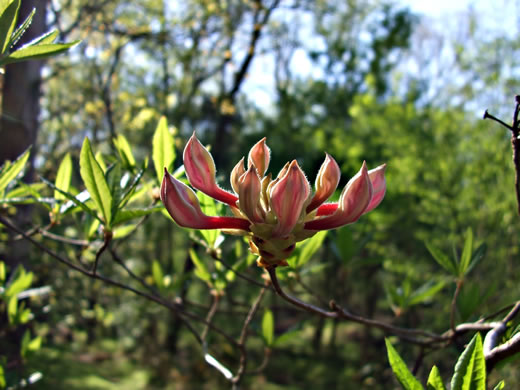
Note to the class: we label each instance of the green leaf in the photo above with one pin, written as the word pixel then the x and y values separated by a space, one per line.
pixel 424 293
pixel 268 327
pixel 465 258
pixel 20 31
pixel 442 259
pixel 129 189
pixel 95 182
pixel 12 309
pixel 478 255
pixel 48 37
pixel 307 249
pixel 403 374
pixel 113 178
pixel 208 207
pixel 2 271
pixel 21 281
pixel 435 380
pixel 126 215
pixel 201 271
pixel 500 385
pixel 11 170
pixel 121 231
pixel 3 384
pixel 37 52
pixel 74 199
pixel 470 370
pixel 63 177
pixel 163 153
pixel 124 150
pixel 158 274
pixel 8 18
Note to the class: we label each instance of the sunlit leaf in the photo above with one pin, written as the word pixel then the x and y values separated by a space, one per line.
pixel 63 177
pixel 8 18
pixel 470 370
pixel 307 249
pixel 201 271
pixel 158 274
pixel 268 327
pixel 125 151
pixel 465 258
pixel 435 380
pixel 38 52
pixel 95 182
pixel 11 170
pixel 163 153
pixel 402 373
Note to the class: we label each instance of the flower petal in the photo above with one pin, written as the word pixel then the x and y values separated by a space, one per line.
pixel 200 169
pixel 377 177
pixel 249 191
pixel 184 207
pixel 354 200
pixel 326 182
pixel 237 171
pixel 287 198
pixel 259 156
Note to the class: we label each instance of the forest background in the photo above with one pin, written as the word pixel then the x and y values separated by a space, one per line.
pixel 361 80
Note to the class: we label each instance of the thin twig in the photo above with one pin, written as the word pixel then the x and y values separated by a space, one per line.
pixel 210 315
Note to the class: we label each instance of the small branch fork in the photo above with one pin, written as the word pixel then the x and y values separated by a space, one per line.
pixel 515 143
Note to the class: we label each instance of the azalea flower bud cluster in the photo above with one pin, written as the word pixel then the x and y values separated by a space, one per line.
pixel 275 213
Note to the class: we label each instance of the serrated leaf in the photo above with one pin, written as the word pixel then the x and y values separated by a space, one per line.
pixel 470 370
pixel 8 18
pixel 268 327
pixel 163 153
pixel 435 380
pixel 63 177
pixel 442 259
pixel 465 258
pixel 125 151
pixel 201 271
pixel 402 373
pixel 95 182
pixel 11 170
pixel 37 52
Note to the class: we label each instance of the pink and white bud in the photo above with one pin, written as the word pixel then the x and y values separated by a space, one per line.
pixel 353 202
pixel 249 191
pixel 377 178
pixel 237 171
pixel 201 171
pixel 259 156
pixel 183 206
pixel 287 198
pixel 326 182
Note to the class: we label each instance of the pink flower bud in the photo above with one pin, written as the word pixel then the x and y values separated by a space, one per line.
pixel 353 202
pixel 249 191
pixel 377 178
pixel 200 169
pixel 287 198
pixel 237 171
pixel 259 156
pixel 184 207
pixel 326 182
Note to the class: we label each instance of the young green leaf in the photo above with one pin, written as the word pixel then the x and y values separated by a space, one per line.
pixel 477 255
pixel 442 259
pixel 470 370
pixel 465 258
pixel 123 216
pixel 48 37
pixel 17 34
pixel 8 18
pixel 201 271
pixel 158 274
pixel 307 249
pixel 95 182
pixel 125 151
pixel 2 271
pixel 163 153
pixel 63 177
pixel 113 178
pixel 9 171
pixel 208 207
pixel 268 327
pixel 37 52
pixel 435 380
pixel 403 374
pixel 425 293
pixel 500 385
